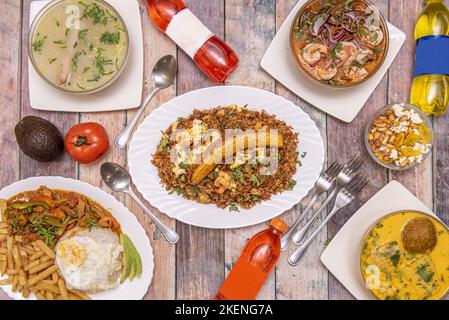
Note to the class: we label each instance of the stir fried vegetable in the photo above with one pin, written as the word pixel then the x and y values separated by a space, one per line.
pixel 48 214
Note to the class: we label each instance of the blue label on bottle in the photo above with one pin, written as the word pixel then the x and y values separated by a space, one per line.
pixel 432 56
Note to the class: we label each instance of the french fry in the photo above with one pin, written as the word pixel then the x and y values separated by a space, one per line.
pixel 3 268
pixel 63 289
pixel 9 244
pixel 3 251
pixel 17 257
pixel 49 295
pixel 27 250
pixel 40 296
pixel 12 272
pixel 41 267
pixel 2 257
pixel 3 231
pixel 48 287
pixel 41 276
pixel 3 224
pixel 44 258
pixel 22 277
pixel 54 277
pixel 26 292
pixel 2 237
pixel 5 282
pixel 36 255
pixel 46 249
pixel 31 265
pixel 80 294
pixel 15 283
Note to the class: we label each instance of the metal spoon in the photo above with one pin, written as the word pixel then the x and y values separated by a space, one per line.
pixel 163 76
pixel 119 180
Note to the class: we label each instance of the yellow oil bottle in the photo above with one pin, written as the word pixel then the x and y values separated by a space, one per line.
pixel 430 88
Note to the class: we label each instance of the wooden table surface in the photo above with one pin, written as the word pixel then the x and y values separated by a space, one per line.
pixel 196 267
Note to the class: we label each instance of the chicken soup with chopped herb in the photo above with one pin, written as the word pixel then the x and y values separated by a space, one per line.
pixel 79 46
pixel 405 257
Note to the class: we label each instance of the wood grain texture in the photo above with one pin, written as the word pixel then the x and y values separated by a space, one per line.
pixel 346 141
pixel 200 252
pixel 418 180
pixel 163 286
pixel 440 166
pixel 255 19
pixel 196 267
pixel 64 166
pixel 10 64
pixel 309 279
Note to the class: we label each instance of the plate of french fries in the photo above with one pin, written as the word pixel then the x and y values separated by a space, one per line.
pixel 30 266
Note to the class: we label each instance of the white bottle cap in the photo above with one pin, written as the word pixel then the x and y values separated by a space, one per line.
pixel 188 32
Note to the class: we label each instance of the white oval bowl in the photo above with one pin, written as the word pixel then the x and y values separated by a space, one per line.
pixel 129 290
pixel 147 136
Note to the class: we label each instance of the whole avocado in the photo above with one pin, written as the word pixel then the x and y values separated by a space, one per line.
pixel 39 139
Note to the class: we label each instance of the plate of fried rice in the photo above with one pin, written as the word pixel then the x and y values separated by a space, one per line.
pixel 226 157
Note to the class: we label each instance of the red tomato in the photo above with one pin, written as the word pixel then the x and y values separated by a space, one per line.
pixel 87 142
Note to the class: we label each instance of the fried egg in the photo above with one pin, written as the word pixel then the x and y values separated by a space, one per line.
pixel 90 260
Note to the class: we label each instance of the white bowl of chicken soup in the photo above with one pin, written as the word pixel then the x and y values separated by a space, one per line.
pixel 79 46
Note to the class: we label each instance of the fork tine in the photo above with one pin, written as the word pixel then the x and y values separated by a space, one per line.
pixel 359 184
pixel 354 165
pixel 334 169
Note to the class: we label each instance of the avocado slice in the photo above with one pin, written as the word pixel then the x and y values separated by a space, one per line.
pixel 127 264
pixel 39 139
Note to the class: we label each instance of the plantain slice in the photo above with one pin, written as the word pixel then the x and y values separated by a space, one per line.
pixel 198 172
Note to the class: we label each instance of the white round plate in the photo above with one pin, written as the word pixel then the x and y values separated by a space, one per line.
pixel 129 290
pixel 147 137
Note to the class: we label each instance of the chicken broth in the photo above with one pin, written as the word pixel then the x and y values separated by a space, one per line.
pixel 339 42
pixel 79 46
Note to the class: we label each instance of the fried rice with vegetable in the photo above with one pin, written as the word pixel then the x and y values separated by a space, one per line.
pixel 246 181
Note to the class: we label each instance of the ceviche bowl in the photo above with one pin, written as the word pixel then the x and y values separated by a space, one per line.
pixel 339 44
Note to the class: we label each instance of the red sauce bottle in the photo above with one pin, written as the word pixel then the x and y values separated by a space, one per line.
pixel 212 55
pixel 254 265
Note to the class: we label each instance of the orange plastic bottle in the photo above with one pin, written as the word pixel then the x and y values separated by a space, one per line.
pixel 212 55
pixel 252 268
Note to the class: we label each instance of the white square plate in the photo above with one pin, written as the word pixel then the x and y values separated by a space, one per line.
pixel 343 104
pixel 342 255
pixel 125 93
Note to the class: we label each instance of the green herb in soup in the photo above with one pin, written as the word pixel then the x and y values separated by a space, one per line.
pixel 339 42
pixel 79 56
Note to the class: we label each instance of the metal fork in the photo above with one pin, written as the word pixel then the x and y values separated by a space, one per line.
pixel 325 182
pixel 345 196
pixel 344 177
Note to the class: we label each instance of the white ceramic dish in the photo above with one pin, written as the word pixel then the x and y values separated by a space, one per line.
pixel 129 290
pixel 342 255
pixel 125 93
pixel 148 135
pixel 343 104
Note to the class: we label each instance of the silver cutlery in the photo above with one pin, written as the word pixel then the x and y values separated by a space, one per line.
pixel 119 180
pixel 325 182
pixel 163 76
pixel 344 177
pixel 344 197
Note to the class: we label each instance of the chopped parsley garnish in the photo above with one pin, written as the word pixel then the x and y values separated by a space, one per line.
pixel 82 34
pixel 237 174
pixel 424 273
pixel 110 38
pixel 255 181
pixel 50 61
pixel 38 44
pixel 292 183
pixel 95 13
pixel 62 44
pixel 233 207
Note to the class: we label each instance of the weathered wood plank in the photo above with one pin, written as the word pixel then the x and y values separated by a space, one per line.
pixel 346 141
pixel 200 252
pixel 64 166
pixel 441 165
pixel 418 180
pixel 256 20
pixel 163 285
pixel 10 26
pixel 309 280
